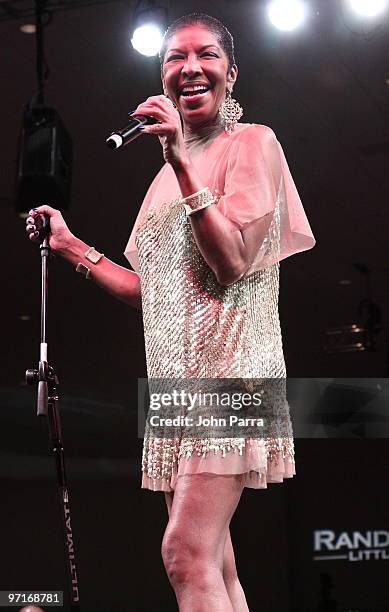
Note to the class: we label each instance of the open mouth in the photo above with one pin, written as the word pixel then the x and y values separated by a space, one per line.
pixel 192 92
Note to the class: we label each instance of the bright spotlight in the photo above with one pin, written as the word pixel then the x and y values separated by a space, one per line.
pixel 368 8
pixel 147 39
pixel 149 25
pixel 287 14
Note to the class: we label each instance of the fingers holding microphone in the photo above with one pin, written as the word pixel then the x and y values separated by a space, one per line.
pixel 162 109
pixel 162 105
pixel 168 130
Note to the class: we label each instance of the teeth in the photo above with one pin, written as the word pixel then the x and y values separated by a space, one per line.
pixel 193 88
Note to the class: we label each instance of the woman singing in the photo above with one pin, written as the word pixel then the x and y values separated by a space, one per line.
pixel 215 222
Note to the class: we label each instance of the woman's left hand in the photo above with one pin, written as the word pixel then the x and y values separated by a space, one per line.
pixel 168 129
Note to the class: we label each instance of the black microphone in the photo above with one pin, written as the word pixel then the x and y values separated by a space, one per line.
pixel 120 138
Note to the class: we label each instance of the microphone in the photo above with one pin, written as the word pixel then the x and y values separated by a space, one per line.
pixel 120 138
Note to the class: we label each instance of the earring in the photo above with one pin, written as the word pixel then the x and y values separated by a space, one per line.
pixel 230 112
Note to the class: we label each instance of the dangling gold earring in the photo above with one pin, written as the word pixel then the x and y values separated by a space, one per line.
pixel 230 112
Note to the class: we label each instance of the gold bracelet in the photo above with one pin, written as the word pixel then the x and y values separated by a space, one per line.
pixel 197 201
pixel 93 255
pixel 83 270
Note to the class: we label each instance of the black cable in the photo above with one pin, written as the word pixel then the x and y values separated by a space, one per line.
pixel 40 60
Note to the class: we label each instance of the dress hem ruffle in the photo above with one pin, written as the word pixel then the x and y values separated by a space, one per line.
pixel 255 467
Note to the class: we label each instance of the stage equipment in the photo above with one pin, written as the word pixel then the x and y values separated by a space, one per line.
pixel 346 338
pixel 287 15
pixel 44 170
pixel 368 8
pixel 47 405
pixel 362 335
pixel 44 161
pixel 150 22
pixel 45 148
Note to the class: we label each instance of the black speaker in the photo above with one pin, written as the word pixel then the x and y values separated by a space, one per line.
pixel 44 167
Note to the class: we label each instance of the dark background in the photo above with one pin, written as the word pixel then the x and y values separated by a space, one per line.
pixel 324 90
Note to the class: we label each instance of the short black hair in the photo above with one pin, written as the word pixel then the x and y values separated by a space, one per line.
pixel 223 36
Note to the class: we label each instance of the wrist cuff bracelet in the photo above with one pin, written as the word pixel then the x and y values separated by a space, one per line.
pixel 197 201
pixel 93 255
pixel 83 270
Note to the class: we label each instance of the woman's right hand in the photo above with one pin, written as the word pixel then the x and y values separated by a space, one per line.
pixel 59 237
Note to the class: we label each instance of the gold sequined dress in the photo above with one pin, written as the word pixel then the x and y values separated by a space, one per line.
pixel 196 328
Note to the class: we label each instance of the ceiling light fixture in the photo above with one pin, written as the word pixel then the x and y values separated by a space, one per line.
pixel 28 28
pixel 287 15
pixel 149 25
pixel 368 8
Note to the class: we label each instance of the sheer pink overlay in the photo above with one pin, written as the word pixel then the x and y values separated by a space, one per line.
pixel 249 170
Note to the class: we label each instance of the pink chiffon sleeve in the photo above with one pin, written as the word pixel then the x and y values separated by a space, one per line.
pixel 256 184
pixel 259 185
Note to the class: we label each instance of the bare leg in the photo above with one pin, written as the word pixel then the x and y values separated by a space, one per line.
pixel 194 543
pixel 231 580
pixel 230 576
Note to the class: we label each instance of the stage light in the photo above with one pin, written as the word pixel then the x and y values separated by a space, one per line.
pixel 368 8
pixel 147 39
pixel 149 26
pixel 28 28
pixel 287 14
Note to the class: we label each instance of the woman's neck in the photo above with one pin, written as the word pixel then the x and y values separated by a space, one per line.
pixel 197 137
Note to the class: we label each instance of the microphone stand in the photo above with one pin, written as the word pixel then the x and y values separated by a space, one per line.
pixel 47 405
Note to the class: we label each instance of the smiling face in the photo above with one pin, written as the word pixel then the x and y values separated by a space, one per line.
pixel 196 75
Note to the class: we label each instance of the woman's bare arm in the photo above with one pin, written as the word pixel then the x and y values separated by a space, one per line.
pixel 120 282
pixel 116 280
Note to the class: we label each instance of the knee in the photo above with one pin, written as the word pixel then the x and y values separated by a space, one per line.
pixel 184 562
pixel 178 556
